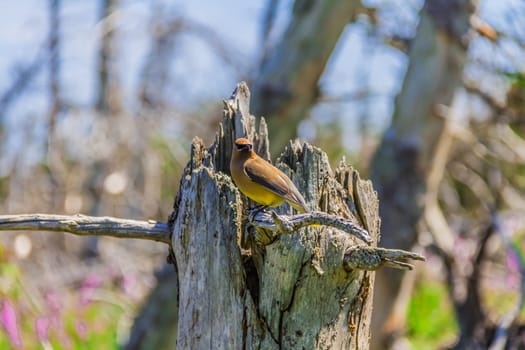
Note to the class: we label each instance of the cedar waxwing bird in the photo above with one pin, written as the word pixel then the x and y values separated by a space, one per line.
pixel 261 181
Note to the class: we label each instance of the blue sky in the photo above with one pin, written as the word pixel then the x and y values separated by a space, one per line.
pixel 361 60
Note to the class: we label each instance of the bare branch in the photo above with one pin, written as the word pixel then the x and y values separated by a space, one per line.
pixel 286 224
pixel 83 225
pixel 222 49
pixel 268 21
pixel 109 99
pixel 497 106
pixel 351 96
pixel 24 77
pixel 269 225
pixel 54 63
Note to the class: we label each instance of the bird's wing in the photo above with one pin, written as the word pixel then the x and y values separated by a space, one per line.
pixel 268 176
pixel 265 174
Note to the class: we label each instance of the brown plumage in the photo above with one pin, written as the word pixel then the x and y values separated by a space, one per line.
pixel 261 181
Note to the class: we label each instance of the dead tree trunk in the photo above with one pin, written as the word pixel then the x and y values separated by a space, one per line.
pixel 295 291
pixel 247 283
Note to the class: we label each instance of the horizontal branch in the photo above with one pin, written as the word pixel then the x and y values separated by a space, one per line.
pixel 269 225
pixel 83 225
pixel 286 224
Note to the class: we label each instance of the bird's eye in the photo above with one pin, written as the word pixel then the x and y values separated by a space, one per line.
pixel 243 146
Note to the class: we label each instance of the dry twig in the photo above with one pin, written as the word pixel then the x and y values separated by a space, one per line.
pixel 285 224
pixel 83 225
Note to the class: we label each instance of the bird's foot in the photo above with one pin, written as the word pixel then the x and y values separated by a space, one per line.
pixel 258 208
pixel 253 212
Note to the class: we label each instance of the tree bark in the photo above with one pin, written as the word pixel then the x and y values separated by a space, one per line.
pixel 302 297
pixel 415 148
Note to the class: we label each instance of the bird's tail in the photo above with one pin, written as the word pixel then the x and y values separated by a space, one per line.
pixel 299 204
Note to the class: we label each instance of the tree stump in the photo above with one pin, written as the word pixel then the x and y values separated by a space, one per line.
pixel 293 291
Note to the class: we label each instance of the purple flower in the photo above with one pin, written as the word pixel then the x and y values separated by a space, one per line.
pixel 42 325
pixel 89 285
pixel 129 286
pixel 91 281
pixel 53 301
pixel 81 328
pixel 10 323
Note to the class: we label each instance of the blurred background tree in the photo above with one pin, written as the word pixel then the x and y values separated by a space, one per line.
pixel 99 101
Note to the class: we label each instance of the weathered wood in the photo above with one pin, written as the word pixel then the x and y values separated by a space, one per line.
pixel 286 224
pixel 215 308
pixel 302 274
pixel 302 293
pixel 83 225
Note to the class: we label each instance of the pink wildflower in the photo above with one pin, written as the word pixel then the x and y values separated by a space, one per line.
pixel 10 323
pixel 89 285
pixel 42 325
pixel 53 301
pixel 129 286
pixel 81 328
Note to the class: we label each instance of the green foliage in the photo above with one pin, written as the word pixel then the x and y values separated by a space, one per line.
pixel 431 319
pixel 517 78
pixel 74 321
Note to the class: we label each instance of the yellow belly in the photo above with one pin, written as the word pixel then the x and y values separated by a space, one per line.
pixel 258 193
